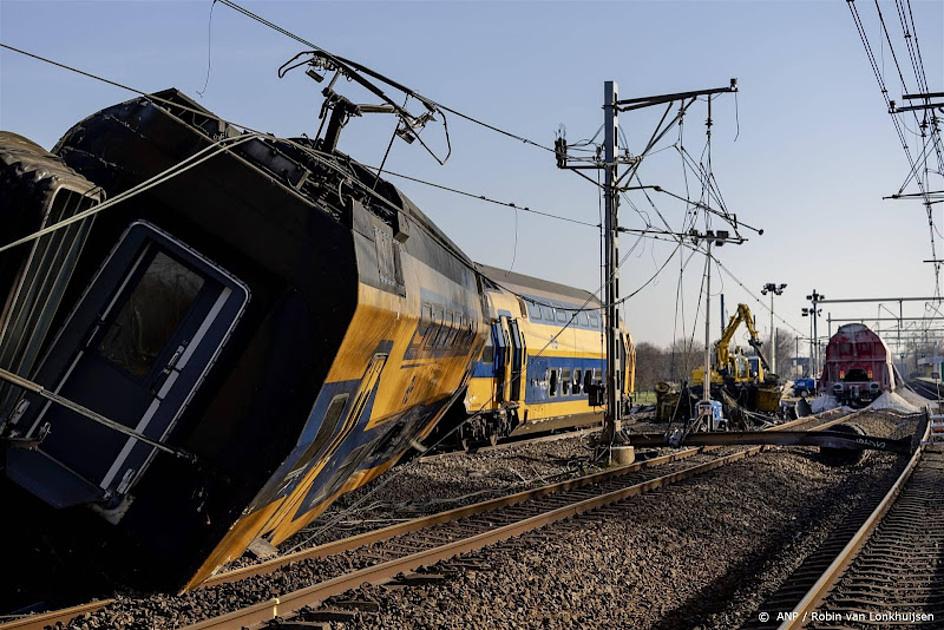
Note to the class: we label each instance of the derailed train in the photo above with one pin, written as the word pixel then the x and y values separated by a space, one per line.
pixel 258 329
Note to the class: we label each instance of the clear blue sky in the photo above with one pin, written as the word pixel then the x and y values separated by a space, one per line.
pixel 816 150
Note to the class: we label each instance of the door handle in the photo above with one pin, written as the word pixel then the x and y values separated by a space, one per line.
pixel 174 359
pixel 170 367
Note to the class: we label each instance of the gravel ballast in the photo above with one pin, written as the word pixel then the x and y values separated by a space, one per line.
pixel 702 553
pixel 725 523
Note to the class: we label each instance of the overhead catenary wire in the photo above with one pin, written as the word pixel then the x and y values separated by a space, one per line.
pixel 223 146
pixel 915 165
pixel 249 134
pixel 468 117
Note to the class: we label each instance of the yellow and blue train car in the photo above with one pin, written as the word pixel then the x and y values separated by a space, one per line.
pixel 543 358
pixel 265 330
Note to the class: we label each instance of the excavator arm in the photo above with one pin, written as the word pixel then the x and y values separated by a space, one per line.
pixel 723 347
pixel 755 341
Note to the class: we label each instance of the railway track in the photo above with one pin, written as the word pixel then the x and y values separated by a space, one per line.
pixel 928 389
pixel 379 556
pixel 884 568
pixel 446 536
pixel 892 571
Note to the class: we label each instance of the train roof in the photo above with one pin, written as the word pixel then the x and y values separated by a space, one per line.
pixel 286 162
pixel 856 332
pixel 537 287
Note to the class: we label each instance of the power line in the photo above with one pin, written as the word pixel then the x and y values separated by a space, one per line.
pixel 258 18
pixel 485 198
pixel 753 295
pixel 202 112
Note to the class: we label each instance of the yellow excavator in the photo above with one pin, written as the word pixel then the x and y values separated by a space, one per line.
pixel 754 388
pixel 734 365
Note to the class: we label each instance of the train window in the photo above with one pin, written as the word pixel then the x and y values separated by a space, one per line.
pixel 449 325
pixel 462 329
pixel 845 348
pixel 565 381
pixel 587 380
pixel 594 318
pixel 583 320
pixel 547 313
pixel 165 291
pixel 552 383
pixel 436 328
pixel 488 353
pixel 562 315
pixel 523 308
pixel 426 319
pixel 388 256
pixel 577 380
pixel 597 375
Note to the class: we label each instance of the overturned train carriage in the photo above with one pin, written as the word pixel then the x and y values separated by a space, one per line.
pixel 261 313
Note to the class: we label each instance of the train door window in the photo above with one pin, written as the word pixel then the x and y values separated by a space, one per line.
pixel 165 292
pixel 552 387
pixel 587 380
pixel 598 375
pixel 565 381
pixel 577 380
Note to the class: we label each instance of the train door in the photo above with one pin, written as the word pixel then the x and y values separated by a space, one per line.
pixel 500 343
pixel 518 354
pixel 134 350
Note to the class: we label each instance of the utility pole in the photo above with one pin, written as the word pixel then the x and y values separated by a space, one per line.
pixel 613 157
pixel 613 414
pixel 706 385
pixel 773 289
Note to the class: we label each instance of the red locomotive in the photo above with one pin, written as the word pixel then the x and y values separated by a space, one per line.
pixel 858 366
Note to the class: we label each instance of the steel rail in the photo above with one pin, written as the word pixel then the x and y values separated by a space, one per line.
pixel 835 570
pixel 55 617
pixel 383 572
pixel 488 505
pixel 380 573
